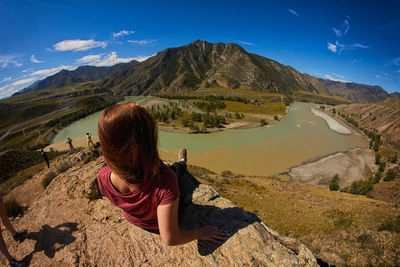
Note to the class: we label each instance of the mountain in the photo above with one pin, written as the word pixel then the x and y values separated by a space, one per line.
pixel 383 116
pixel 395 94
pixel 202 64
pixel 70 224
pixel 81 74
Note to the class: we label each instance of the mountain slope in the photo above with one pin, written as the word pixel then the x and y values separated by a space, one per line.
pixel 202 64
pixel 81 74
pixel 383 116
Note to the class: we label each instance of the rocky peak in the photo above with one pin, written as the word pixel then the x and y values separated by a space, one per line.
pixel 68 229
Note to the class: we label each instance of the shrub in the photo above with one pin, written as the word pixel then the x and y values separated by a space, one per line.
pixel 392 225
pixel 276 118
pixel 47 179
pixel 13 208
pixel 375 179
pixel 382 166
pixel 377 158
pixel 334 183
pixel 63 166
pixel 263 122
pixel 394 159
pixel 94 192
pixel 226 174
pixel 360 188
pixel 390 175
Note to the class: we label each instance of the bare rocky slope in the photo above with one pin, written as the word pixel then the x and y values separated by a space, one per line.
pixel 66 229
pixel 383 116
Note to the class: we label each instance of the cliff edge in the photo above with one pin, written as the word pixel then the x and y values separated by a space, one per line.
pixel 66 228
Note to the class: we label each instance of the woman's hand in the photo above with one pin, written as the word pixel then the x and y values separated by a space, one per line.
pixel 212 233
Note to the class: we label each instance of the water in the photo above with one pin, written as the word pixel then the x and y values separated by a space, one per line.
pixel 267 150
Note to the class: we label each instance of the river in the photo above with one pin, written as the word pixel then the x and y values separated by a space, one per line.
pixel 268 150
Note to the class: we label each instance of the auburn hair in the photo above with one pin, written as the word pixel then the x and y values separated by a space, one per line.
pixel 128 140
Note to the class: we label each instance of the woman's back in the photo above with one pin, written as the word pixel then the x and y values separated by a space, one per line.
pixel 140 205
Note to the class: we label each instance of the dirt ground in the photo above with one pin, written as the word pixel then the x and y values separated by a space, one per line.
pixel 351 166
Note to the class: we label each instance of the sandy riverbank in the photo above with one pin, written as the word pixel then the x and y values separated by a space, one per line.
pixel 351 166
pixel 331 122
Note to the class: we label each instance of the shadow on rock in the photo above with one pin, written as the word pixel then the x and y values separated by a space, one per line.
pixel 230 219
pixel 52 239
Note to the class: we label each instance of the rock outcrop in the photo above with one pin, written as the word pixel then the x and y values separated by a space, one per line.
pixel 67 229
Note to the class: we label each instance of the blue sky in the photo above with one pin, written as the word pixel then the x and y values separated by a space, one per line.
pixel 354 41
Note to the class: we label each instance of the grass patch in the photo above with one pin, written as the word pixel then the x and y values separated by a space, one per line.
pixel 241 91
pixel 47 179
pixel 64 165
pixel 14 209
pixel 271 108
pixel 391 225
pixel 20 177
pixel 94 192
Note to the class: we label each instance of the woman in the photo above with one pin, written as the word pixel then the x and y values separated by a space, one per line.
pixel 137 181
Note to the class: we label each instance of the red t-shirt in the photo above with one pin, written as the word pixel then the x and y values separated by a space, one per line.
pixel 140 205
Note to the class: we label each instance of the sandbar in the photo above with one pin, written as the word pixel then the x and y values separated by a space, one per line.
pixel 331 122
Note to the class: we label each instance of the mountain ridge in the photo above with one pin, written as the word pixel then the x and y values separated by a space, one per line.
pixel 201 64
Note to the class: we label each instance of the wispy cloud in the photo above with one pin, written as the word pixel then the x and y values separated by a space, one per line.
pixel 143 42
pixel 78 45
pixel 244 42
pixel 396 61
pixel 336 78
pixel 398 70
pixel 108 60
pixel 5 60
pixel 122 33
pixel 293 12
pixel 354 61
pixel 343 29
pixel 378 76
pixel 33 59
pixel 6 79
pixel 27 79
pixel 339 47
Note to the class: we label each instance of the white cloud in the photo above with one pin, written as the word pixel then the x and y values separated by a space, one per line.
pixel 108 60
pixel 337 32
pixel 33 59
pixel 293 12
pixel 89 58
pixel 51 71
pixel 5 60
pixel 142 42
pixel 396 61
pixel 354 61
pixel 338 47
pixel 244 42
pixel 28 79
pixel 332 47
pixel 357 45
pixel 6 79
pixel 330 77
pixel 122 33
pixel 78 45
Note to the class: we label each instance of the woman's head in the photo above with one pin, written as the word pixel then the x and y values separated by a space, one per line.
pixel 128 138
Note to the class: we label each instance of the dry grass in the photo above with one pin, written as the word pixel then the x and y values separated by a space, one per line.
pixel 271 108
pixel 316 216
pixel 241 91
pixel 338 98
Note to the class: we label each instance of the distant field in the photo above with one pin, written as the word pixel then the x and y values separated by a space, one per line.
pixel 308 96
pixel 241 91
pixel 271 108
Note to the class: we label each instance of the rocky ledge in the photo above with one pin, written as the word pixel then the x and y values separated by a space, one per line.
pixel 69 227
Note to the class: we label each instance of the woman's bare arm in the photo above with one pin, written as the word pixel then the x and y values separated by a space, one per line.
pixel 170 233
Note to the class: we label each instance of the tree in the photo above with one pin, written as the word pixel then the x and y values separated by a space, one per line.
pixel 390 175
pixel 276 118
pixel 263 122
pixel 377 158
pixel 334 183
